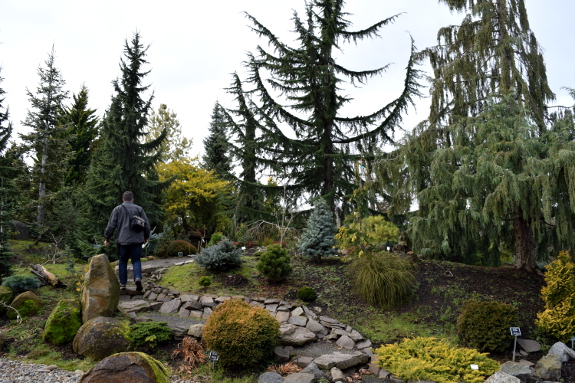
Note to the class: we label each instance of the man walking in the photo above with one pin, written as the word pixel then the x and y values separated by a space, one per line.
pixel 129 236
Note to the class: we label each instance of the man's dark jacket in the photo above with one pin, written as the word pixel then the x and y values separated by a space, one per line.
pixel 120 222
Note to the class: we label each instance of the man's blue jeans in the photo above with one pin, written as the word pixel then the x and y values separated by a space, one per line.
pixel 132 252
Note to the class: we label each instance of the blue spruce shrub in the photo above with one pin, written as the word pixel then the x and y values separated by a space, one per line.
pixel 222 256
pixel 21 283
pixel 318 237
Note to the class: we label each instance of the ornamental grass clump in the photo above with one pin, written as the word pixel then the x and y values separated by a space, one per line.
pixel 383 279
pixel 485 325
pixel 558 318
pixel 223 256
pixel 274 263
pixel 243 335
pixel 435 360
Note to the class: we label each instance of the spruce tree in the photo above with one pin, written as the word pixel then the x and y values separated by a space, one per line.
pixel 6 188
pixel 47 144
pixel 318 238
pixel 123 159
pixel 216 145
pixel 81 126
pixel 318 155
pixel 244 125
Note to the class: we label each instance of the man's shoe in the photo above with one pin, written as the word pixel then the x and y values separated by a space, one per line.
pixel 123 287
pixel 138 284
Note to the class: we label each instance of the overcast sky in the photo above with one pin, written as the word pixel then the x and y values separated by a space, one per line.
pixel 196 45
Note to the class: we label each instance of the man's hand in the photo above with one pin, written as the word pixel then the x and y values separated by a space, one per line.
pixel 106 242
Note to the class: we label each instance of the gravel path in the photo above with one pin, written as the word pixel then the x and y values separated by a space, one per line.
pixel 12 371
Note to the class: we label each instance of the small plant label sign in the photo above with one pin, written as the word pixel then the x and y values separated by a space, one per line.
pixel 213 355
pixel 474 366
pixel 515 331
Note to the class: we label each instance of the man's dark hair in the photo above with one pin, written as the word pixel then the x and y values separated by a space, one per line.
pixel 128 196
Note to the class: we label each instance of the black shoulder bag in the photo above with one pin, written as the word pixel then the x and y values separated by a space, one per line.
pixel 137 223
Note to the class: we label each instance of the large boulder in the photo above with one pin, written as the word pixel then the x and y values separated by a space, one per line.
pixel 341 360
pixel 564 352
pixel 133 367
pixel 19 230
pixel 26 304
pixel 292 335
pixel 101 292
pixel 549 367
pixel 101 337
pixel 6 295
pixel 63 322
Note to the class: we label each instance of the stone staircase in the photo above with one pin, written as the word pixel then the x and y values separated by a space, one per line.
pixel 306 335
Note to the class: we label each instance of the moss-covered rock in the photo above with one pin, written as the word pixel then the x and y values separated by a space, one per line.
pixel 101 337
pixel 63 323
pixel 127 367
pixel 6 295
pixel 101 290
pixel 26 304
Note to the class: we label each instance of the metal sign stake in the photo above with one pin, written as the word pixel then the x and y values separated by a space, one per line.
pixel 515 331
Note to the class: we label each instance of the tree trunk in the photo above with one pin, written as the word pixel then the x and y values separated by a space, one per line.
pixel 524 244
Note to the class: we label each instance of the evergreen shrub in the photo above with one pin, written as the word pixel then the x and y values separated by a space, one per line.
pixel 215 238
pixel 150 334
pixel 172 248
pixel 432 359
pixel 243 335
pixel 274 263
pixel 318 237
pixel 220 257
pixel 205 281
pixel 485 325
pixel 375 230
pixel 383 279
pixel 21 283
pixel 306 294
pixel 558 318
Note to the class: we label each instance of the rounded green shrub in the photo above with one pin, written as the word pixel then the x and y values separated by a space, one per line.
pixel 215 238
pixel 559 297
pixel 150 334
pixel 485 325
pixel 306 294
pixel 432 359
pixel 274 263
pixel 383 279
pixel 172 248
pixel 21 283
pixel 205 281
pixel 243 335
pixel 222 256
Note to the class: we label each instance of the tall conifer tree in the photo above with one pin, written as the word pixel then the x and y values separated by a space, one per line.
pixel 318 155
pixel 124 160
pixel 47 142
pixel 81 125
pixel 6 188
pixel 216 145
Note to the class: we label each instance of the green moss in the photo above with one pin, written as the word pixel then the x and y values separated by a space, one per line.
pixel 6 296
pixel 27 308
pixel 160 372
pixel 63 322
